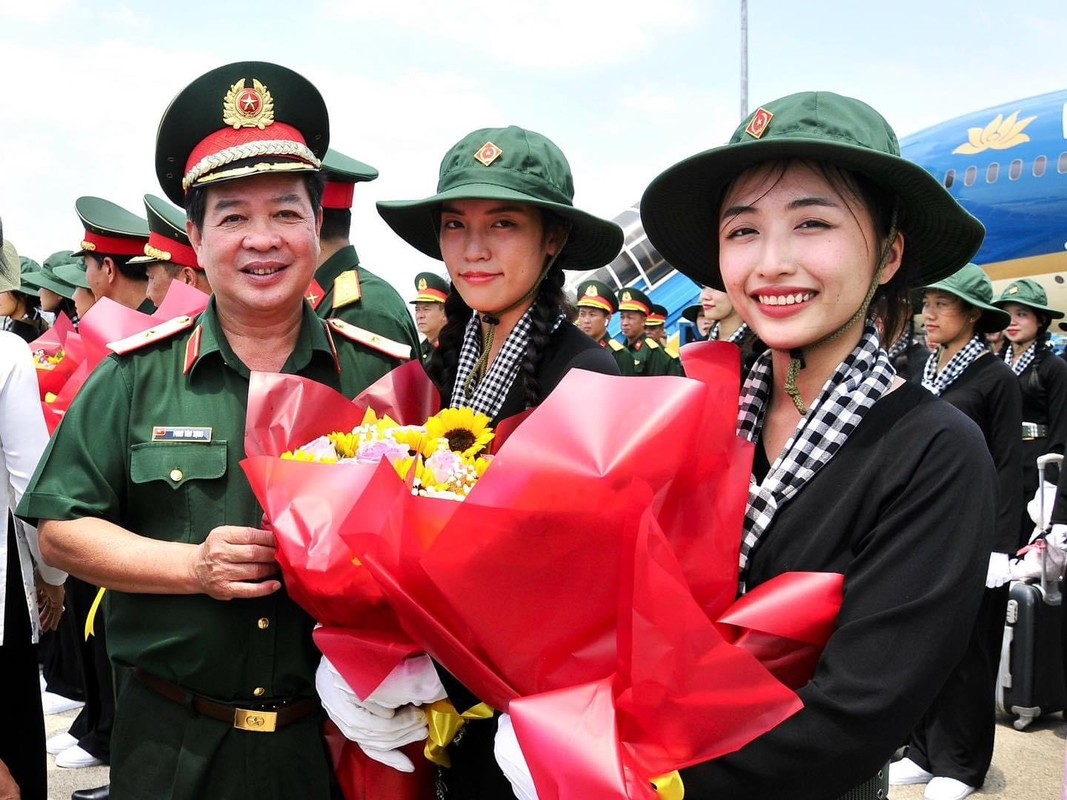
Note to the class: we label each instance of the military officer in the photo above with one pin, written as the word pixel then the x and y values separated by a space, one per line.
pixel 113 236
pixel 168 256
pixel 647 356
pixel 656 329
pixel 74 273
pixel 57 296
pixel 596 303
pixel 430 318
pixel 360 305
pixel 220 701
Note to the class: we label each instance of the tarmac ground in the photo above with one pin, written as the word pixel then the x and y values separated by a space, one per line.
pixel 1027 765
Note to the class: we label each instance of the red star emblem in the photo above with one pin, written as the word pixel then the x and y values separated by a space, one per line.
pixel 488 153
pixel 249 102
pixel 760 120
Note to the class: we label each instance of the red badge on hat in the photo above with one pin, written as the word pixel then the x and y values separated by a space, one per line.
pixel 248 106
pixel 488 153
pixel 760 120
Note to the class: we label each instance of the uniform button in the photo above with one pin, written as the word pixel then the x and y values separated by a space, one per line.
pixel 263 623
pixel 176 475
pixel 259 691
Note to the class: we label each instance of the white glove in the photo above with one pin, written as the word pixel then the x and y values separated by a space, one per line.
pixel 511 760
pixel 1057 537
pixel 378 730
pixel 1033 506
pixel 999 571
pixel 414 680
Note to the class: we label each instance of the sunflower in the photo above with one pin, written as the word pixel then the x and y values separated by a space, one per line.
pixel 466 431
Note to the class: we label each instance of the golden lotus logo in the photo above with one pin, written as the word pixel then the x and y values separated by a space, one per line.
pixel 1000 134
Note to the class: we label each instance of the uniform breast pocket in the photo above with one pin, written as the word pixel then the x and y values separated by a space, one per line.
pixel 176 487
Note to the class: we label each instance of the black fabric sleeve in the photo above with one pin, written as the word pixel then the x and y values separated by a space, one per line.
pixel 1005 446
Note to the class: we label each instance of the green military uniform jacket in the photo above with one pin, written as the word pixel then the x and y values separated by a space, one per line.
pixel 359 297
pixel 622 355
pixel 649 358
pixel 153 443
pixel 426 349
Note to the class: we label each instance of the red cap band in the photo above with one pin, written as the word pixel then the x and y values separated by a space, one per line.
pixel 181 254
pixel 228 137
pixel 338 195
pixel 112 245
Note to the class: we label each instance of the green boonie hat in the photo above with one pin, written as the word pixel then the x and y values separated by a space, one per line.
pixel 72 273
pixel 511 164
pixel 27 275
pixel 634 300
pixel 10 268
pixel 47 279
pixel 1028 292
pixel 692 312
pixel 167 241
pixel 110 230
pixel 973 286
pixel 596 294
pixel 238 120
pixel 431 288
pixel 680 208
pixel 342 174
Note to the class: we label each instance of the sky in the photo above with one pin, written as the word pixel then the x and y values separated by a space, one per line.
pixel 625 88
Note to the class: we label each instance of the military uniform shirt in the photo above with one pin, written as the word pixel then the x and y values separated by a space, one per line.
pixel 379 308
pixel 648 357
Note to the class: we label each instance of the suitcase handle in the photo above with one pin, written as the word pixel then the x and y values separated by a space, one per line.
pixel 1049 588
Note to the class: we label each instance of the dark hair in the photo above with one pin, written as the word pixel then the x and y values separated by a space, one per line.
pixel 135 272
pixel 196 197
pixel 336 223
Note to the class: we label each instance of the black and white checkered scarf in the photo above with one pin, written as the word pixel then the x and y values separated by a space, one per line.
pixel 1019 367
pixel 489 393
pixel 857 384
pixel 735 338
pixel 902 343
pixel 937 382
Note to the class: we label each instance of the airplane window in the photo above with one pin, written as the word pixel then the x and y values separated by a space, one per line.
pixel 992 172
pixel 1015 169
pixel 950 178
pixel 1039 166
pixel 970 175
pixel 1061 165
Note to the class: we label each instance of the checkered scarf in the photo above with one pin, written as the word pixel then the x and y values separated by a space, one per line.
pixel 937 382
pixel 735 338
pixel 899 346
pixel 856 385
pixel 1019 367
pixel 489 393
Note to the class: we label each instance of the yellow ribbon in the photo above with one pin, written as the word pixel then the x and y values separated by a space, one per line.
pixel 92 612
pixel 669 786
pixel 445 722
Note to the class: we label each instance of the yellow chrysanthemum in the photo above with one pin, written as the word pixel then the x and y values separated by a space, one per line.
pixel 345 444
pixel 466 430
pixel 302 455
pixel 403 466
pixel 415 439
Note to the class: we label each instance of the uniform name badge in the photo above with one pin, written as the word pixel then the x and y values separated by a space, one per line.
pixel 164 433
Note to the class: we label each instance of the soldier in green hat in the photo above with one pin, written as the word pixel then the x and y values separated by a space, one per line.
pixel 431 293
pixel 113 237
pixel 1042 378
pixel 807 216
pixel 647 355
pixel 656 329
pixel 20 305
pixel 56 296
pixel 596 303
pixel 74 273
pixel 220 659
pixel 955 736
pixel 168 255
pixel 343 290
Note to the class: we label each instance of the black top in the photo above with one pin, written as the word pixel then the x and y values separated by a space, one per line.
pixel 1044 387
pixel 905 510
pixel 989 394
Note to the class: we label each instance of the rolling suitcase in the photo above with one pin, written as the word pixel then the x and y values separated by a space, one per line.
pixel 1031 680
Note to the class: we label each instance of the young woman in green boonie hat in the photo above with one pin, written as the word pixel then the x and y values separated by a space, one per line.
pixel 954 739
pixel 807 216
pixel 1042 378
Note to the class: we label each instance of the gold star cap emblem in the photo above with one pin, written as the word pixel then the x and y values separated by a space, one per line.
pixel 1013 289
pixel 758 125
pixel 422 284
pixel 488 153
pixel 590 291
pixel 626 297
pixel 248 107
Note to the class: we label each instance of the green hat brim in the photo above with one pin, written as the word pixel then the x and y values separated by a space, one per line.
pixel 593 242
pixel 992 319
pixel 1052 313
pixel 679 209
pixel 53 284
pixel 70 273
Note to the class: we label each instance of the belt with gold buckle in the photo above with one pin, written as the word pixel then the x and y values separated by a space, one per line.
pixel 269 718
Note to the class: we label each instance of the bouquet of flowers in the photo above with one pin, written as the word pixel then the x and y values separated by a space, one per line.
pixel 617 531
pixel 56 354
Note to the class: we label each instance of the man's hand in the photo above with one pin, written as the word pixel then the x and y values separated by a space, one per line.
pixel 50 601
pixel 9 790
pixel 233 562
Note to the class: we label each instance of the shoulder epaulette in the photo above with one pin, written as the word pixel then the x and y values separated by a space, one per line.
pixel 158 333
pixel 615 346
pixel 652 343
pixel 375 341
pixel 346 289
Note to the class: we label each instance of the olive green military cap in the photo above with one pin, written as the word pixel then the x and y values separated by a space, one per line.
pixel 682 204
pixel 631 299
pixel 73 272
pixel 47 279
pixel 110 230
pixel 167 240
pixel 431 288
pixel 596 294
pixel 513 165
pixel 1028 292
pixel 342 174
pixel 238 120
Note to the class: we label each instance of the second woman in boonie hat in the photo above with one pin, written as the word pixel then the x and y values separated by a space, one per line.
pixel 804 217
